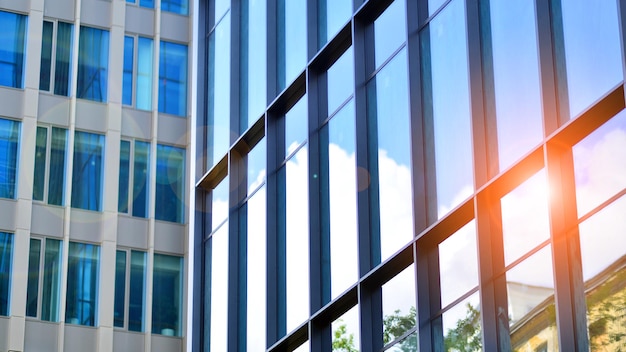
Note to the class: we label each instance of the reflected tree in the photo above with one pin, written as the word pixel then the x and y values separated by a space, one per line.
pixel 465 336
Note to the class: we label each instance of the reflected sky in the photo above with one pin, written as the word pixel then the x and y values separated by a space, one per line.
pixel 256 272
pixel 389 31
pixel 292 41
pixel 336 13
pixel 458 263
pixel 254 63
pixel 399 293
pixel 296 126
pixel 220 204
pixel 218 286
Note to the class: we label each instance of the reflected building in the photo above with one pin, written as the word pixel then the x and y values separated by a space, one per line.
pixel 94 114
pixel 406 175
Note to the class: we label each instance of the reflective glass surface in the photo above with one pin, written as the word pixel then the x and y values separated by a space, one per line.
pixel 516 78
pixel 388 113
pixel 253 92
pixel 173 78
pixel 256 272
pixel 218 96
pixel 119 296
pixel 592 51
pixel 445 74
pixel 39 178
pixel 458 264
pixel 167 295
pixel 81 304
pixel 169 203
pixel 598 164
pixel 220 7
pixel 257 161
pixel 12 47
pixel 332 15
pixel 340 78
pixel 127 76
pixel 525 219
pixel 32 290
pixel 296 126
pixel 389 31
pixel 93 64
pixel 218 288
pixel 345 331
pixel 399 307
pixel 137 291
pixel 62 76
pixel 180 7
pixel 140 179
pixel 297 238
pixel 87 171
pixel 124 177
pixel 144 73
pixel 6 251
pixel 461 326
pixel 9 144
pixel 292 40
pixel 46 55
pixel 219 206
pixel 56 177
pixel 51 287
pixel 434 5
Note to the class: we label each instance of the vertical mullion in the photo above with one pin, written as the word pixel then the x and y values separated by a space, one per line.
pixel 560 68
pixel 621 13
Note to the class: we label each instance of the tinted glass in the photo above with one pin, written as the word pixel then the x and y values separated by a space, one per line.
pixel 12 46
pixel 292 40
pixel 51 289
pixel 332 15
pixel 93 64
pixel 87 171
pixel 170 184
pixel 218 96
pixel 217 279
pixel 32 290
pixel 46 55
pixel 124 177
pixel 40 163
pixel 399 307
pixel 173 79
pixel 56 180
pixel 140 179
pixel 458 264
pixel 219 204
pixel 253 93
pixel 6 250
pixel 9 139
pixel 340 78
pixel 180 7
pixel 345 331
pixel 257 160
pixel 62 77
pixel 296 126
pixel 81 304
pixel 127 76
pixel 167 295
pixel 144 73
pixel 120 289
pixel 461 326
pixel 137 291
pixel 256 272
pixel 389 31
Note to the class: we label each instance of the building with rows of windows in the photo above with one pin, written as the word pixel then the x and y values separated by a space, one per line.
pixel 95 110
pixel 404 175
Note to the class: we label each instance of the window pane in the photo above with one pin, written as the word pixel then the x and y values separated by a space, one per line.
pixel 217 284
pixel 342 198
pixel 173 79
pixel 87 173
pixel 333 14
pixel 219 204
pixel 525 220
pixel 32 290
pixel 253 62
pixel 458 264
pixel 461 326
pixel 124 178
pixel 9 137
pixel 390 154
pixel 221 6
pixel 599 165
pixel 167 295
pixel 40 163
pixel 46 55
pixel 434 5
pixel 530 290
pixel 93 64
pixel 63 59
pixel 12 46
pixel 140 179
pixel 346 331
pixel 446 88
pixel 516 79
pixel 592 51
pixel 257 161
pixel 296 126
pixel 146 3
pixel 144 73
pixel 399 307
pixel 56 180
pixel 256 274
pixel 137 294
pixel 120 289
pixel 127 75
pixel 389 31
pixel 218 95
pixel 51 280
pixel 81 304
pixel 6 259
pixel 292 40
pixel 175 6
pixel 297 238
pixel 170 184
pixel 340 81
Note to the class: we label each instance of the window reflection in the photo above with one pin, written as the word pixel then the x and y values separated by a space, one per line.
pixel 216 293
pixel 399 308
pixel 257 159
pixel 93 64
pixel 256 261
pixel 461 326
pixel 172 78
pixel 81 304
pixel 389 31
pixel 345 331
pixel 87 171
pixel 253 62
pixel 292 40
pixel 167 299
pixel 296 126
pixel 445 63
pixel 9 145
pixel 12 47
pixel 219 206
pixel 458 264
pixel 6 255
pixel 340 80
pixel 333 14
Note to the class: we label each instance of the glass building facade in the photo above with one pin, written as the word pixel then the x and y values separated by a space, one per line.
pixel 95 116
pixel 404 175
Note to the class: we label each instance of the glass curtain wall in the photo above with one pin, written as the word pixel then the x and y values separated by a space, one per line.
pixel 12 47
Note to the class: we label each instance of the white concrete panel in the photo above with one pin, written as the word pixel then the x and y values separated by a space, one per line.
pixel 96 13
pixel 15 6
pixel 139 20
pixel 41 336
pixel 169 237
pixel 175 27
pixel 11 102
pixel 4 333
pixel 54 109
pixel 132 232
pixel 47 220
pixel 7 214
pixel 80 338
pixel 136 123
pixel 124 341
pixel 86 225
pixel 166 344
pixel 62 9
pixel 91 116
pixel 172 130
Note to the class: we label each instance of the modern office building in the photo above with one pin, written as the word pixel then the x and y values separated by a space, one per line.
pixel 95 110
pixel 410 174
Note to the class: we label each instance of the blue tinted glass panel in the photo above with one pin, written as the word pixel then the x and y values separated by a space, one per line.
pixel 333 14
pixel 516 79
pixel 257 268
pixel 12 46
pixel 592 51
pixel 127 75
pixel 217 279
pixel 173 79
pixel 39 179
pixel 399 301
pixel 458 264
pixel 46 56
pixel 221 6
pixel 81 305
pixel 51 280
pixel 146 3
pixel 446 79
pixel 296 126
pixel 56 178
pixel 32 290
pixel 257 161
pixel 167 295
pixel 87 172
pixel 219 204
pixel 180 7
pixel 144 73
pixel 140 179
pixel 253 62
pixel 63 59
pixel 93 64
pixel 340 81
pixel 292 40
pixel 170 184
pixel 9 137
pixel 137 294
pixel 218 95
pixel 124 177
pixel 120 289
pixel 434 5
pixel 389 31
pixel 6 250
